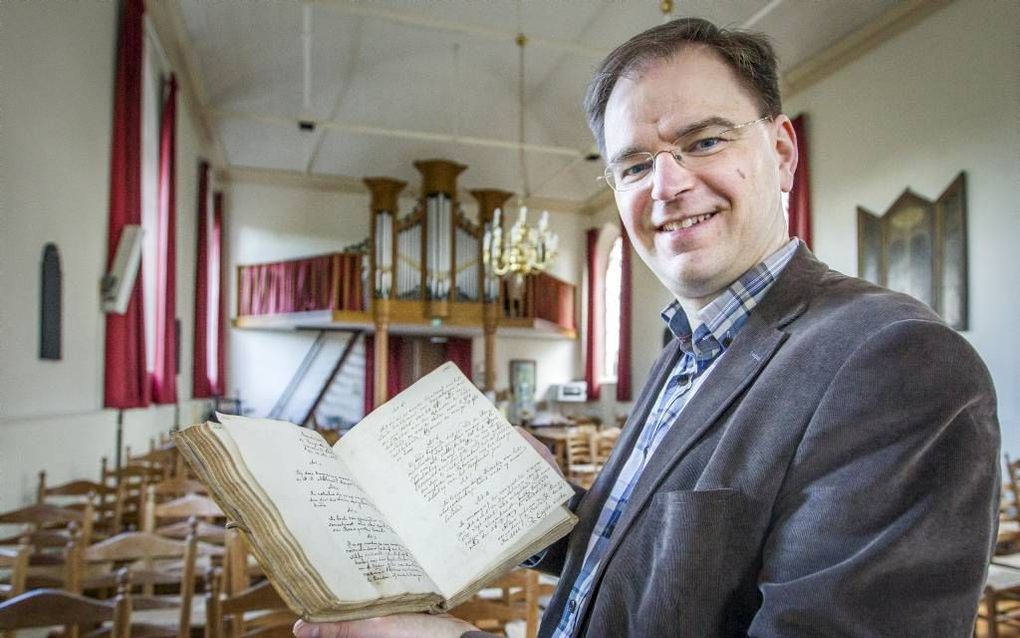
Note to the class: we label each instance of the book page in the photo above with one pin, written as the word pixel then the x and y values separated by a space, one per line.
pixel 336 524
pixel 454 479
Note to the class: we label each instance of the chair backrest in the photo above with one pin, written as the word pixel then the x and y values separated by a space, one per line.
pixel 129 483
pixel 275 621
pixel 185 507
pixel 602 445
pixel 578 447
pixel 142 550
pixel 15 561
pixel 44 516
pixel 48 607
pixel 518 601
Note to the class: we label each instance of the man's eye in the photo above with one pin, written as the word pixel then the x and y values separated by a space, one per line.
pixel 635 169
pixel 706 145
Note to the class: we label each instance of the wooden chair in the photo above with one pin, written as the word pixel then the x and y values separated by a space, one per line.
pixel 1008 539
pixel 48 607
pixel 153 561
pixel 1000 602
pixel 602 446
pixel 15 562
pixel 129 484
pixel 517 600
pixel 171 518
pixel 274 619
pixel 47 530
pixel 580 459
pixel 44 516
pixel 78 495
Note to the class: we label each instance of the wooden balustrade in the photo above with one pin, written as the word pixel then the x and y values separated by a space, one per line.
pixel 325 282
pixel 542 297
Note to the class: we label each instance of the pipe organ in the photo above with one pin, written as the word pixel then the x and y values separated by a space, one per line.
pixel 422 268
pixel 439 201
pixel 409 261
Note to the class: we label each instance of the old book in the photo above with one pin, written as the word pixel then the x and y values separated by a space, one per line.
pixel 429 497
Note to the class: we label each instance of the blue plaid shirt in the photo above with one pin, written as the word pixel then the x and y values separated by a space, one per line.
pixel 721 320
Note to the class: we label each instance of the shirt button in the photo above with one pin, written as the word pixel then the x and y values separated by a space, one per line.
pixel 572 605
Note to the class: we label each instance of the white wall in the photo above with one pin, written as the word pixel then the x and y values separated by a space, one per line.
pixel 56 110
pixel 940 98
pixel 265 223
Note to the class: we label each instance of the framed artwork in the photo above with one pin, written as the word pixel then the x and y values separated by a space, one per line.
pixel 523 375
pixel 919 247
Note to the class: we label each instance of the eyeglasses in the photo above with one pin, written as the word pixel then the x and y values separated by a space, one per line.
pixel 692 151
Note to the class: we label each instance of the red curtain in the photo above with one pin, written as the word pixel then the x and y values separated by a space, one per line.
pixel 394 384
pixel 369 373
pixel 800 195
pixel 623 389
pixel 201 380
pixel 595 285
pixel 126 381
pixel 217 300
pixel 458 350
pixel 164 365
pixel 327 282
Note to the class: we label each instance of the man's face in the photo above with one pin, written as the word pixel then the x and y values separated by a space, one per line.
pixel 738 189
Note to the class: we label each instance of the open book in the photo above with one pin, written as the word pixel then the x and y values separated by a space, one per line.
pixel 431 496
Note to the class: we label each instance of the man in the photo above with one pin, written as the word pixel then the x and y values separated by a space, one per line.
pixel 812 455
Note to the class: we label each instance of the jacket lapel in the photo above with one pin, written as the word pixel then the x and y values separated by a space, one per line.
pixel 591 505
pixel 757 342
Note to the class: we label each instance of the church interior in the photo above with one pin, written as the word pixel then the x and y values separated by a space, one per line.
pixel 294 210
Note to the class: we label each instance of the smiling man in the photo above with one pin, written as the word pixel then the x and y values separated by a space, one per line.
pixel 812 455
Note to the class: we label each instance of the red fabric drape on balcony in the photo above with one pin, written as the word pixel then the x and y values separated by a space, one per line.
pixel 800 195
pixel 595 286
pixel 458 350
pixel 623 385
pixel 125 380
pixel 164 365
pixel 327 282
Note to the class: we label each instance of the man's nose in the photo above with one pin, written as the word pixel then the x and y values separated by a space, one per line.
pixel 669 177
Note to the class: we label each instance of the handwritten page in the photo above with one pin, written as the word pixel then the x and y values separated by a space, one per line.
pixel 363 558
pixel 452 477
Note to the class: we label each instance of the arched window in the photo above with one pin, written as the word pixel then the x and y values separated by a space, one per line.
pixel 608 312
pixel 611 312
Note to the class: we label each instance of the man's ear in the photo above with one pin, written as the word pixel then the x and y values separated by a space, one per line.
pixel 786 151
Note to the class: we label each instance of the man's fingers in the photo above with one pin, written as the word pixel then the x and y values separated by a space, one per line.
pixel 395 626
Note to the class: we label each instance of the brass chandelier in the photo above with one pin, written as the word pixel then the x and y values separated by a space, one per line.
pixel 527 249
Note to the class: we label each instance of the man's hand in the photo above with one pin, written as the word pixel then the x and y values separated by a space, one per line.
pixel 395 626
pixel 540 448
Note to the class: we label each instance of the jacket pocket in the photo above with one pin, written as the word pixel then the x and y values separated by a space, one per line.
pixel 680 563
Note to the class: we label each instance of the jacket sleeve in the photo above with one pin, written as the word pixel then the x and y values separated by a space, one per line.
pixel 550 560
pixel 886 518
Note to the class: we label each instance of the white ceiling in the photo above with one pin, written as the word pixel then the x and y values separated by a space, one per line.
pixel 394 81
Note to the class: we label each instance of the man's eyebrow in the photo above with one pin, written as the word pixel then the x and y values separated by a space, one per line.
pixel 715 120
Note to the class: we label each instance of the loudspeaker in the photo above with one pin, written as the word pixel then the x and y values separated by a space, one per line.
pixel 117 284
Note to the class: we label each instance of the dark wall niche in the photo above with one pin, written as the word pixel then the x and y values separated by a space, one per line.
pixel 50 304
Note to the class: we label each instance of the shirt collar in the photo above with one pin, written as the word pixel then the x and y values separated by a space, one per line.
pixel 723 317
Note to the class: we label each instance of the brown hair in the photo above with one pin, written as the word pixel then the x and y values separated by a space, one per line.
pixel 748 54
